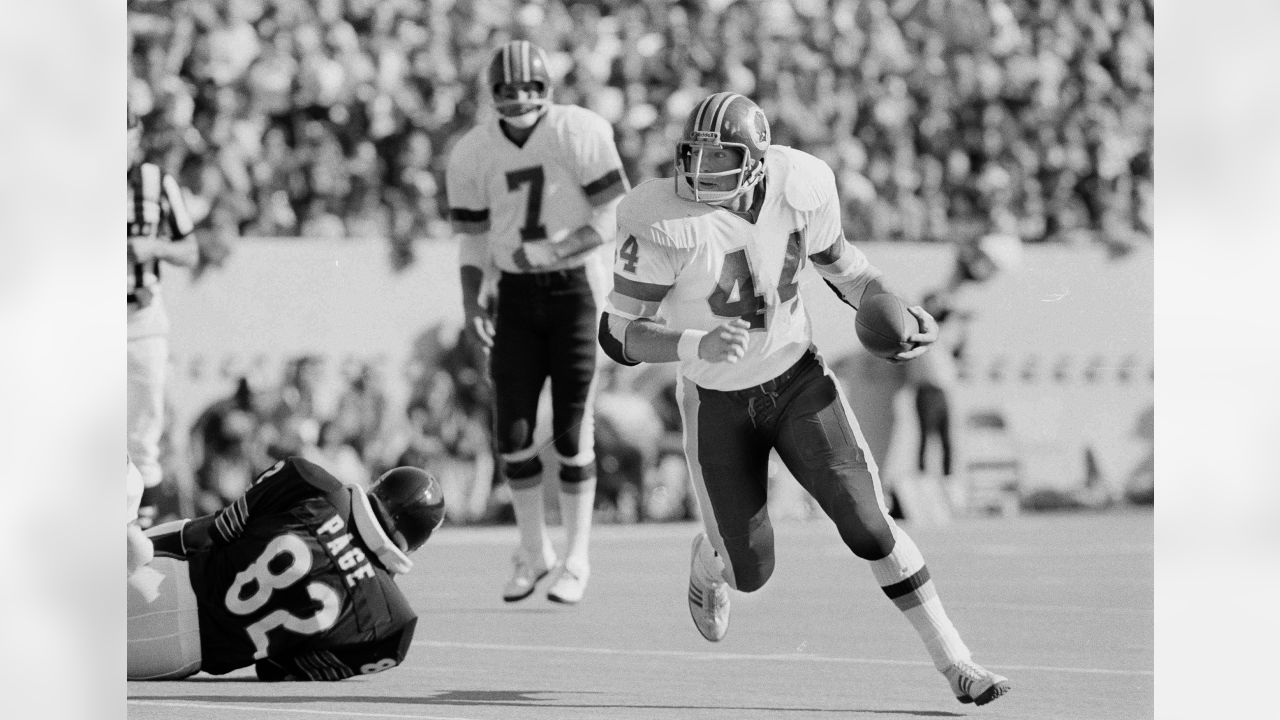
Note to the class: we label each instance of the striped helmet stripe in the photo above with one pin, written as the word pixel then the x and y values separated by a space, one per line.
pixel 702 111
pixel 720 111
pixel 712 111
pixel 526 67
pixel 506 63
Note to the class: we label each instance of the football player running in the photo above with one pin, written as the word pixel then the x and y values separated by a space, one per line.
pixel 294 578
pixel 706 274
pixel 533 194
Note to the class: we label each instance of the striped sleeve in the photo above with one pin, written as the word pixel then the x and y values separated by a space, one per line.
pixel 599 165
pixel 179 218
pixel 468 205
pixel 634 299
pixel 278 489
pixel 643 273
pixel 612 184
pixel 469 221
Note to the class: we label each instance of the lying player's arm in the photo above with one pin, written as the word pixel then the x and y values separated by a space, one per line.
pixel 644 340
pixel 473 259
pixel 278 488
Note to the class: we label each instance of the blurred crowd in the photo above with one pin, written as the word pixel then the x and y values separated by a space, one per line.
pixel 342 416
pixel 944 119
pixel 343 419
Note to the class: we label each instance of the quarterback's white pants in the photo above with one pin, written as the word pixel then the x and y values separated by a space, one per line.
pixel 164 625
pixel 148 361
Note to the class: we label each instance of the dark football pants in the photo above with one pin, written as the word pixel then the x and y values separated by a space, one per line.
pixel 545 328
pixel 801 413
pixel 934 416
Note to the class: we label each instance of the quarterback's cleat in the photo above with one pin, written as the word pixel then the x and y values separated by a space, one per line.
pixel 569 586
pixel 708 596
pixel 972 683
pixel 524 577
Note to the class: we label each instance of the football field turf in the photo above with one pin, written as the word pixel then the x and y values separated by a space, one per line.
pixel 1060 603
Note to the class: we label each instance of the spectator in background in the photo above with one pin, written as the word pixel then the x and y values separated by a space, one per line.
pixel 227 446
pixel 158 232
pixel 934 379
pixel 935 116
pixel 335 453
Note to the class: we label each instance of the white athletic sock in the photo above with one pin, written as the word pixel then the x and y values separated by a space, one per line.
pixel 577 503
pixel 905 580
pixel 531 520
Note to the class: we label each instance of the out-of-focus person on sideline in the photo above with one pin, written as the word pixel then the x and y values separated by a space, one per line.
pixel 159 232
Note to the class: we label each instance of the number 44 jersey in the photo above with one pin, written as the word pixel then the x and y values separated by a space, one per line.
pixel 696 266
pixel 290 586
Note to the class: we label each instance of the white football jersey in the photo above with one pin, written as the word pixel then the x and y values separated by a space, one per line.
pixel 696 266
pixel 542 190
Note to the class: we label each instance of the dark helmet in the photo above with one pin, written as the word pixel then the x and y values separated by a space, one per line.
pixel 721 121
pixel 410 505
pixel 519 61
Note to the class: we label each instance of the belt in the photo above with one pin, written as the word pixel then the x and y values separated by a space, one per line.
pixel 776 385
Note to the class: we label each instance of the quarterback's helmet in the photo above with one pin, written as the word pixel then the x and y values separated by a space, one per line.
pixel 519 61
pixel 723 121
pixel 410 504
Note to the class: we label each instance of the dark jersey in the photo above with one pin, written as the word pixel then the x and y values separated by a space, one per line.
pixel 290 587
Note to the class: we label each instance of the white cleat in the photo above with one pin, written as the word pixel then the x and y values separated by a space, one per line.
pixel 972 683
pixel 708 597
pixel 524 577
pixel 569 586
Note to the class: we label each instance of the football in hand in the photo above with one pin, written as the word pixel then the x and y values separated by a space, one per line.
pixel 884 323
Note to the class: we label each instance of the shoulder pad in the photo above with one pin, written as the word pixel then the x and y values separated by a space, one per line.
pixel 652 211
pixel 807 181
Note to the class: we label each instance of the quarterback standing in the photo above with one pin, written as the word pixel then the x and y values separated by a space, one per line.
pixel 533 194
pixel 293 578
pixel 159 231
pixel 706 274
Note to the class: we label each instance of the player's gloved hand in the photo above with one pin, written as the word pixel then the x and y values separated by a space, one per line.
pixel 479 326
pixel 535 255
pixel 921 341
pixel 727 343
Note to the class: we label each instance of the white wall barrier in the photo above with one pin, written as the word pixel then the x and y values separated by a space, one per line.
pixel 1062 346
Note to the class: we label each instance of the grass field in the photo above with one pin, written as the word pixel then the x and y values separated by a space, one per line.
pixel 1061 604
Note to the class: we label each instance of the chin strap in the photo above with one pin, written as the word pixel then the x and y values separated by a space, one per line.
pixel 373 534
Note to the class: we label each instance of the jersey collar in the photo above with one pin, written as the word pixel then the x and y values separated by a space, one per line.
pixel 371 532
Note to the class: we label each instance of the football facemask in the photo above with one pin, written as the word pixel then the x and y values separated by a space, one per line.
pixel 720 154
pixel 519 65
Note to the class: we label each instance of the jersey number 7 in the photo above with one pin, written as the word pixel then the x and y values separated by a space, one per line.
pixel 262 577
pixel 736 271
pixel 533 228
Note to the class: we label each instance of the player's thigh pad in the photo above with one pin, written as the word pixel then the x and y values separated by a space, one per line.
pixel 819 442
pixel 164 622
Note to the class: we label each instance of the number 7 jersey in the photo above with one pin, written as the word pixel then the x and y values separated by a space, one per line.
pixel 541 190
pixel 696 266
